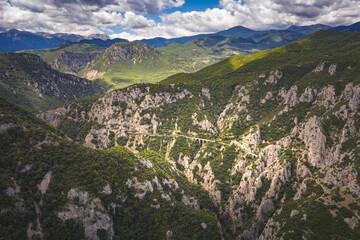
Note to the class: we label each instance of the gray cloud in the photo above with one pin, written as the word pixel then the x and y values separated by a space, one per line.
pixel 88 16
pixel 303 8
pixel 80 16
pixel 144 6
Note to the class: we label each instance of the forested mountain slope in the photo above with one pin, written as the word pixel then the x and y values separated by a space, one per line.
pixel 28 81
pixel 123 64
pixel 53 188
pixel 272 137
pixel 90 58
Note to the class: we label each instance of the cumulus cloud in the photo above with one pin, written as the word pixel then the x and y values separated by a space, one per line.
pixel 80 16
pixel 126 35
pixel 148 6
pixel 88 16
pixel 299 12
pixel 137 21
pixel 143 7
pixel 257 14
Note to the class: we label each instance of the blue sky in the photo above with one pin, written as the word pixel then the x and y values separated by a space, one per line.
pixel 133 19
pixel 196 5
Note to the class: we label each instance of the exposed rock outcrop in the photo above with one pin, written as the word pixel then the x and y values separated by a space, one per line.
pixel 90 212
pixel 43 186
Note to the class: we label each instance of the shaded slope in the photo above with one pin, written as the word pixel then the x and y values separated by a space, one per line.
pixel 308 29
pixel 71 57
pixel 55 189
pixel 28 81
pixel 14 40
pixel 351 28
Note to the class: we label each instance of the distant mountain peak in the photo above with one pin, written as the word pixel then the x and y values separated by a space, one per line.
pixel 296 27
pixel 355 27
pixel 308 29
pixel 237 31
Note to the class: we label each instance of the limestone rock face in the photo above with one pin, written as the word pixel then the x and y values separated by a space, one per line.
pixel 326 96
pixel 289 96
pixel 144 187
pixel 274 77
pixel 294 212
pixel 191 202
pixel 209 184
pixel 251 141
pixel 204 225
pixel 90 212
pixel 272 149
pixel 43 186
pixel 107 189
pixel 205 124
pixel 75 61
pixel 52 116
pixel 121 112
pixel 206 92
pixel 315 140
pixel 320 67
pixel 332 69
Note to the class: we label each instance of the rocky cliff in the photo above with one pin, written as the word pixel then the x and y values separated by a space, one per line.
pixel 274 142
pixel 53 188
pixel 72 62
pixel 118 56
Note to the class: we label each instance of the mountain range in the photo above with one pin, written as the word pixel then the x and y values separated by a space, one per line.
pixel 207 144
pixel 188 54
pixel 268 135
pixel 14 40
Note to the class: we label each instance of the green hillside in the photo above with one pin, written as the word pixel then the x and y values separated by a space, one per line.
pixel 124 64
pixel 69 57
pixel 272 137
pixel 141 65
pixel 206 51
pixel 53 188
pixel 95 62
pixel 28 81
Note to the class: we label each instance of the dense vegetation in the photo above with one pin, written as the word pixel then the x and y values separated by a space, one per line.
pixel 273 136
pixel 28 141
pixel 187 54
pixel 205 51
pixel 28 81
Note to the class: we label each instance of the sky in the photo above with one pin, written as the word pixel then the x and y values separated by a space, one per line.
pixel 135 19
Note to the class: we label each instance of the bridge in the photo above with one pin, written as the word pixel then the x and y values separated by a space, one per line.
pixel 200 140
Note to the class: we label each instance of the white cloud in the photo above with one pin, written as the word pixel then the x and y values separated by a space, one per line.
pixel 128 36
pixel 80 16
pixel 256 14
pixel 138 21
pixel 88 16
